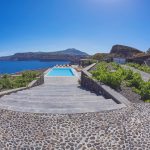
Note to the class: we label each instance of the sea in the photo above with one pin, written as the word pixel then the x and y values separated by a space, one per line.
pixel 11 67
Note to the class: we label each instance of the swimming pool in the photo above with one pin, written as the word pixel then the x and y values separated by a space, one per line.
pixel 61 72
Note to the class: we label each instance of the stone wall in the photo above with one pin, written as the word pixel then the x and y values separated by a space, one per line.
pixel 90 84
pixel 37 82
pixel 93 86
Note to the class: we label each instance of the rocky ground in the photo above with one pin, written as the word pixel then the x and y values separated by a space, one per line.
pixel 130 95
pixel 124 129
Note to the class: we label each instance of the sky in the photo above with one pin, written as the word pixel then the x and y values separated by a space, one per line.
pixel 88 25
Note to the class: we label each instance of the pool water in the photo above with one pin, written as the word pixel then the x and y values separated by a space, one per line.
pixel 60 72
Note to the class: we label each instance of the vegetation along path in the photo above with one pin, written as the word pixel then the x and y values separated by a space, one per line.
pixel 127 128
pixel 145 76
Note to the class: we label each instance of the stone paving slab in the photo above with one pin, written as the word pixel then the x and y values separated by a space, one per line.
pixel 124 129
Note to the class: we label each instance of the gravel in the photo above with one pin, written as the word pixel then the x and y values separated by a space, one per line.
pixel 130 95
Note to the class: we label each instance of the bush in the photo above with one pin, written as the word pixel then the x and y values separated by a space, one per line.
pixel 147 101
pixel 115 65
pixel 145 91
pixel 115 78
pixel 103 74
pixel 29 74
pixel 136 80
pixel 8 82
pixel 5 83
pixel 140 67
pixel 128 74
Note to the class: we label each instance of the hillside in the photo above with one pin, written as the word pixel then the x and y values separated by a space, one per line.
pixel 71 51
pixel 72 55
pixel 124 51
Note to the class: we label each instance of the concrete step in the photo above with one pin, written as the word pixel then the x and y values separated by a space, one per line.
pixel 55 101
pixel 57 95
pixel 58 99
pixel 31 93
pixel 63 110
pixel 58 89
pixel 54 98
pixel 57 86
pixel 11 100
pixel 54 94
pixel 55 90
pixel 56 105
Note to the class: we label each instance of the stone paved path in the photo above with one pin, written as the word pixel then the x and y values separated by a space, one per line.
pixel 125 129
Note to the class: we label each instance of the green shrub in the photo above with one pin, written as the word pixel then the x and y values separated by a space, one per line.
pixel 104 74
pixel 8 82
pixel 136 80
pixel 29 74
pixel 140 67
pixel 145 91
pixel 115 65
pixel 114 79
pixel 133 65
pixel 136 90
pixel 144 68
pixel 128 74
pixel 147 101
pixel 115 75
pixel 5 83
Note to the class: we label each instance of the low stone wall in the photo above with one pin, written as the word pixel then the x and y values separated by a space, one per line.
pixel 37 82
pixel 89 83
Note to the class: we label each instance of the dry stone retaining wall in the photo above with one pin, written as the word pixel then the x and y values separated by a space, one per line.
pixel 90 84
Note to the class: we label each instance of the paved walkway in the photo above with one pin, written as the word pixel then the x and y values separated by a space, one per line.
pixel 145 76
pixel 57 95
pixel 125 129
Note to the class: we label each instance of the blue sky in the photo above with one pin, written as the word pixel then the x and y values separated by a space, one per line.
pixel 89 25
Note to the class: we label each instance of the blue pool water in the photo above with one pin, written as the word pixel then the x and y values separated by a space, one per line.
pixel 60 72
pixel 17 66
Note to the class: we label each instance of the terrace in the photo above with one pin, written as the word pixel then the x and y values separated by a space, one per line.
pixel 60 114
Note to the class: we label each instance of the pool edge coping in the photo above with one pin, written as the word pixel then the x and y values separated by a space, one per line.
pixel 75 74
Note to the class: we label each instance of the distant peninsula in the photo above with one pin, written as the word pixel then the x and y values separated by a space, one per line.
pixel 73 55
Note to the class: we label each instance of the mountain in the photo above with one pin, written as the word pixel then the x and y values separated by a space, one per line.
pixel 71 51
pixel 72 55
pixel 124 51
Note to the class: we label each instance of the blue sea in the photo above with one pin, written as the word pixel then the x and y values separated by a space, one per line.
pixel 9 67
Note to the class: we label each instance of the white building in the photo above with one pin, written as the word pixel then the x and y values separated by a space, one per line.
pixel 119 60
